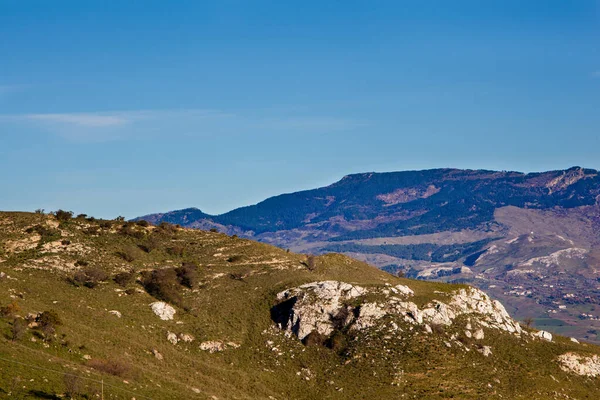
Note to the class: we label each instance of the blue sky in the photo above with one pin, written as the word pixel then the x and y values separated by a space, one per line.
pixel 131 107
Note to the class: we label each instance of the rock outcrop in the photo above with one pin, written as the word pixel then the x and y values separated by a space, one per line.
pixel 163 310
pixel 325 306
pixel 580 365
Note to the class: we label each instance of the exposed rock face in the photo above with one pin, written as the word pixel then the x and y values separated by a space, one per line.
pixel 163 310
pixel 315 305
pixel 324 306
pixel 581 365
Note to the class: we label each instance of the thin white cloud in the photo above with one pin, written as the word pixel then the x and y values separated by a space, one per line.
pixel 103 126
pixel 82 120
pixel 9 89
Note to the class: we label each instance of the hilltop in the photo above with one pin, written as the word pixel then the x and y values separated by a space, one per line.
pixel 165 312
pixel 529 239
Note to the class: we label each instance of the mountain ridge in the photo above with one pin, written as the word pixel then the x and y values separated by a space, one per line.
pixel 447 224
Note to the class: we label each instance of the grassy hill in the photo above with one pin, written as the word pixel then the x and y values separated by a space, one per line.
pixel 76 297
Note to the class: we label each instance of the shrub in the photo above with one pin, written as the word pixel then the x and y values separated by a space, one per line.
pixel 311 262
pixel 105 224
pixel 214 230
pixel 167 227
pixel 91 230
pixel 128 229
pixel 74 386
pixel 10 310
pixel 235 258
pixel 81 216
pixel 337 342
pixel 63 215
pixel 314 339
pixel 187 274
pixel 48 321
pixel 18 329
pixel 81 263
pixel 124 278
pixel 128 254
pixel 113 367
pixel 163 285
pixel 143 222
pixel 89 277
pixel 176 250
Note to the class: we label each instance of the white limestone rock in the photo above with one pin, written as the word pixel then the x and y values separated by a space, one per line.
pixel 579 364
pixel 163 310
pixel 485 350
pixel 544 335
pixel 316 306
pixel 172 338
pixel 212 346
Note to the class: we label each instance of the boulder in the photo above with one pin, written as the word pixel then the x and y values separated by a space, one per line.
pixel 163 310
pixel 544 335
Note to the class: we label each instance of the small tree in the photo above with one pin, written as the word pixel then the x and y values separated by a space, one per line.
pixel 48 321
pixel 63 215
pixel 528 322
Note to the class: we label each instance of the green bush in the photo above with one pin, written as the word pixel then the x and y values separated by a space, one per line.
pixel 124 278
pixel 63 215
pixel 163 284
pixel 89 277
pixel 187 274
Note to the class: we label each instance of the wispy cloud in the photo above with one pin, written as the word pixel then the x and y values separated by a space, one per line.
pixel 103 126
pixel 9 89
pixel 596 74
pixel 84 120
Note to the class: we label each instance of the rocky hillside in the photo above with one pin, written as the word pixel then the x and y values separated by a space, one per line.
pixel 529 239
pixel 163 312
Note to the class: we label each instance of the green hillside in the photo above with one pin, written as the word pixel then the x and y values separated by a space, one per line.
pixel 76 297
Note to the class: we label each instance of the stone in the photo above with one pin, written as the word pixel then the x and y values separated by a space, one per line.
pixel 478 334
pixel 212 346
pixel 485 350
pixel 157 355
pixel 186 337
pixel 172 338
pixel 579 364
pixel 574 340
pixel 115 313
pixel 163 310
pixel 544 335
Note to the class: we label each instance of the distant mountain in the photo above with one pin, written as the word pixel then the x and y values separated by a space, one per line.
pixel 530 239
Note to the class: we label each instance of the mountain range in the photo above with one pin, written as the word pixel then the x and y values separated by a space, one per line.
pixel 529 239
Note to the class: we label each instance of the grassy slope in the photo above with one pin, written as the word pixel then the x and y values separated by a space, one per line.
pixel 231 310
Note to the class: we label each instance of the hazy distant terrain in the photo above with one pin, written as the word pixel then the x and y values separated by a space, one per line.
pixel 529 239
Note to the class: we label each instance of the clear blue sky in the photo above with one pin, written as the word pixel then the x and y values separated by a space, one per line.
pixel 131 107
